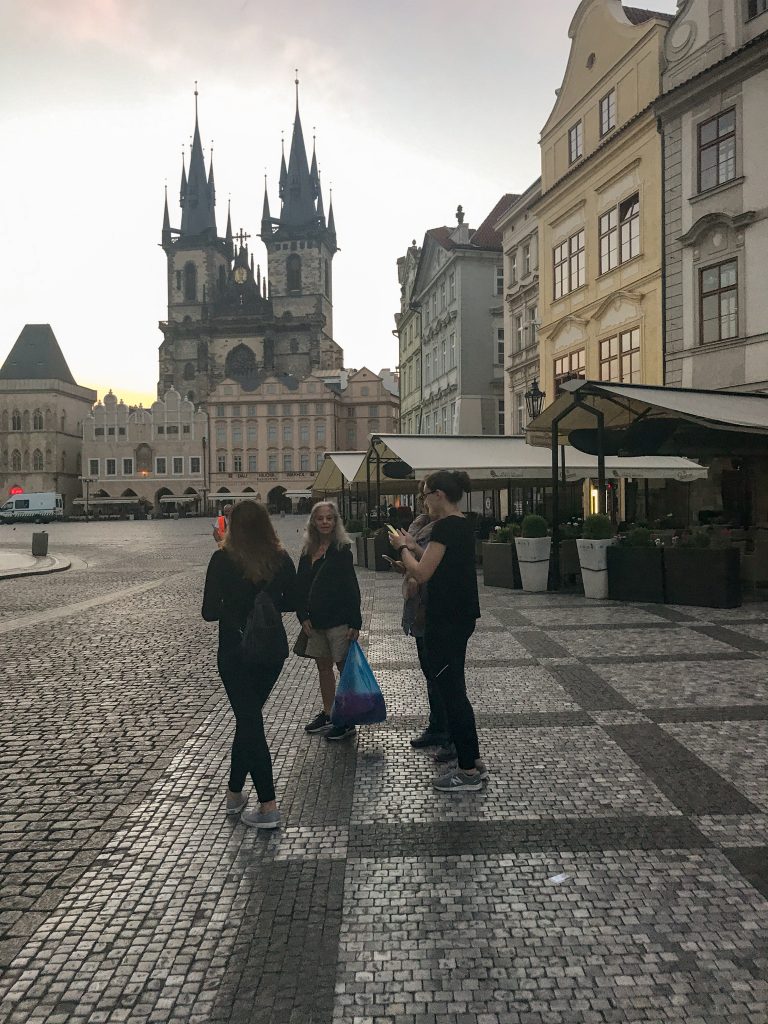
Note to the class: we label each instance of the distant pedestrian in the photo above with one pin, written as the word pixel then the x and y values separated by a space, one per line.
pixel 222 523
pixel 250 561
pixel 327 606
pixel 447 566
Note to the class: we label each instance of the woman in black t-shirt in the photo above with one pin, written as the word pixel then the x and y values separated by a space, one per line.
pixel 447 566
pixel 250 560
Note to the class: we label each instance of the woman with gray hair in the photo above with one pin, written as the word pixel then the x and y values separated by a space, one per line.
pixel 327 606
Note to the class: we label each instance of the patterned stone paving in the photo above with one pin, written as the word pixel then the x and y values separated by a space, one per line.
pixel 614 868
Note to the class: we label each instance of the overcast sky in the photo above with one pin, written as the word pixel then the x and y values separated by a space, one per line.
pixel 418 106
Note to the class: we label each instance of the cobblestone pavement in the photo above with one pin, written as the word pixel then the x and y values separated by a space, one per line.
pixel 614 868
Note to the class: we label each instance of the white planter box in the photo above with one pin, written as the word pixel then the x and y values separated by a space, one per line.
pixel 593 559
pixel 533 556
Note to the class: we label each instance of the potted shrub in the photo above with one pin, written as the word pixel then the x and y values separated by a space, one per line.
pixel 500 564
pixel 596 537
pixel 636 569
pixel 533 549
pixel 698 573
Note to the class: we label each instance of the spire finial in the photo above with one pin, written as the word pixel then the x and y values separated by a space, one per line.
pixel 195 99
pixel 296 83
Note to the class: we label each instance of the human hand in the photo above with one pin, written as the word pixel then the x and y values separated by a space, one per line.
pixel 352 635
pixel 306 627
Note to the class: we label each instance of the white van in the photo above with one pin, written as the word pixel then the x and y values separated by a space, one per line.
pixel 40 507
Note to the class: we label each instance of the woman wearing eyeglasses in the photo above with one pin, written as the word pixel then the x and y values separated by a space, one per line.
pixel 447 566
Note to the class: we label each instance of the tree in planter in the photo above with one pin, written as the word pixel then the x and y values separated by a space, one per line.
pixel 533 550
pixel 635 568
pixel 500 565
pixel 596 537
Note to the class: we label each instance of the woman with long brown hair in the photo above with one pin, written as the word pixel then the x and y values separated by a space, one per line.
pixel 251 561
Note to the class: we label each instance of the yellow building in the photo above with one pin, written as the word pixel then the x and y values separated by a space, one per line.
pixel 599 216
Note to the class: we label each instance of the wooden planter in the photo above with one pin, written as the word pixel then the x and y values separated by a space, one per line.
pixel 706 577
pixel 636 574
pixel 500 566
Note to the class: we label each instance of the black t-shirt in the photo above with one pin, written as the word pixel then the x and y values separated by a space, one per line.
pixel 452 590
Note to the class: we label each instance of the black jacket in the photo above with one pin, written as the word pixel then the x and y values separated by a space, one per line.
pixel 228 595
pixel 327 592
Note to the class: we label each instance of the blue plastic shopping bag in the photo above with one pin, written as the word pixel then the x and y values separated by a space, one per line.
pixel 358 701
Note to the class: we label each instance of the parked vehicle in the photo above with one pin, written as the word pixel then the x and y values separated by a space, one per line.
pixel 40 507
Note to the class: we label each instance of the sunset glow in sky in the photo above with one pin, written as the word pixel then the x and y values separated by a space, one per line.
pixel 418 106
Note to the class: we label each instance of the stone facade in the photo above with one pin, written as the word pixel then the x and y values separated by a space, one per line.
pixel 520 241
pixel 458 292
pixel 715 138
pixel 408 332
pixel 599 227
pixel 136 458
pixel 41 414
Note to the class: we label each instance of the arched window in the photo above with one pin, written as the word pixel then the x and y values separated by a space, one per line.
pixel 328 278
pixel 37 460
pixel 293 272
pixel 190 282
pixel 143 459
pixel 241 362
pixel 189 371
pixel 4 421
pixel 294 345
pixel 37 420
pixel 190 396
pixel 16 460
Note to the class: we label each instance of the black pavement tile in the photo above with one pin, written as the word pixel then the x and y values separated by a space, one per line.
pixel 665 612
pixel 741 641
pixel 588 689
pixel 498 720
pixel 540 644
pixel 481 838
pixel 685 779
pixel 752 863
pixel 742 712
pixel 509 616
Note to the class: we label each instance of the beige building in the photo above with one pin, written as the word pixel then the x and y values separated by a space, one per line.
pixel 271 439
pixel 138 459
pixel 600 296
pixel 408 333
pixel 41 414
pixel 520 241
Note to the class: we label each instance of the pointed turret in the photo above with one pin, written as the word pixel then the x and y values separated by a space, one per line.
pixel 183 187
pixel 314 176
pixel 166 235
pixel 266 216
pixel 283 172
pixel 197 212
pixel 320 209
pixel 331 223
pixel 298 204
pixel 211 184
pixel 228 239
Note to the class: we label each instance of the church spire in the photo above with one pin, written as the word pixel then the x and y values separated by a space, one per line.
pixel 266 216
pixel 197 206
pixel 228 239
pixel 298 203
pixel 166 235
pixel 320 209
pixel 283 170
pixel 183 186
pixel 211 184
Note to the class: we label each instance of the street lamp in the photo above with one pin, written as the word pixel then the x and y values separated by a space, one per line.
pixel 205 474
pixel 534 400
pixel 87 481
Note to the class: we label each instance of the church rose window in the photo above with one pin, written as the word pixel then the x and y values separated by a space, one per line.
pixel 241 362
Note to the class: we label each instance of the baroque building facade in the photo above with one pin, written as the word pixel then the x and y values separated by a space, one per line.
pixel 600 295
pixel 42 409
pixel 408 332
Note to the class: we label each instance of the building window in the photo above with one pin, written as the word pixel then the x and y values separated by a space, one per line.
pixel 190 282
pixel 519 336
pixel 160 465
pixel 755 7
pixel 272 409
pixel 37 460
pixel 452 350
pixel 575 142
pixel 453 417
pixel 37 420
pixel 717 150
pixel 127 467
pixel 16 460
pixel 221 463
pixel 373 410
pixel 93 467
pixel 272 463
pixel 160 429
pixel 194 464
pixel 500 279
pixel 443 356
pixel 111 467
pixel 320 432
pixel 719 303
pixel 533 325
pixel 620 234
pixel 16 420
pixel 287 409
pixel 520 411
pixel 237 434
pixel 272 433
pixel 434 305
pixel 364 390
pixel 500 424
pixel 237 464
pixel 319 460
pixel 451 289
pixel 526 260
pixel 251 410
pixel 620 357
pixel 304 429
pixel 178 465
pixel 252 432
pixel 304 462
pixel 427 366
pixel 253 463
pixel 320 406
pixel 442 296
pixel 219 410
pixel 570 367
pixel 608 112
pixel 444 417
pixel 221 435
pixel 434 422
pixel 513 267
pixel 500 345
pixel 287 432
pixel 569 265
pixel 293 272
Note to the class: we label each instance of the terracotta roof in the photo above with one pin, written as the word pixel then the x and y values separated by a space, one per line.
pixel 637 15
pixel 442 236
pixel 486 236
pixel 36 356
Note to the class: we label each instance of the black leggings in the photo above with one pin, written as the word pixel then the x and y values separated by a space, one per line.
pixel 438 720
pixel 248 690
pixel 446 651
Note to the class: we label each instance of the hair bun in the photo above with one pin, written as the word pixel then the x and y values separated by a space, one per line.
pixel 462 479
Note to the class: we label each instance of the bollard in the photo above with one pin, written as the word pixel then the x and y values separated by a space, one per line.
pixel 40 544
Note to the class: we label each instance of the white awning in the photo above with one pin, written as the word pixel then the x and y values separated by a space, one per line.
pixel 298 494
pixel 493 461
pixel 338 468
pixel 180 498
pixel 107 501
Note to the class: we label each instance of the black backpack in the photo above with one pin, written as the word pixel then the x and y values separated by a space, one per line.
pixel 263 640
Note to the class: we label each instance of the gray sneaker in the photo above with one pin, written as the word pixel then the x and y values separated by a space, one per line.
pixel 236 803
pixel 261 819
pixel 482 771
pixel 445 754
pixel 458 781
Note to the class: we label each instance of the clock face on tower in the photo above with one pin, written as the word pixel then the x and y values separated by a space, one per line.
pixel 240 275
